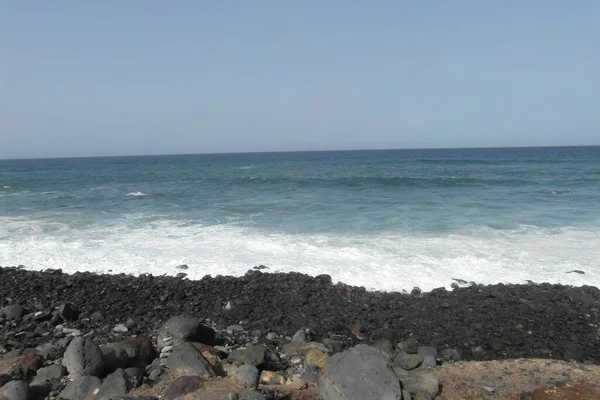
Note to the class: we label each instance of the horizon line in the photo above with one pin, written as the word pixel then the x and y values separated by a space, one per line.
pixel 292 151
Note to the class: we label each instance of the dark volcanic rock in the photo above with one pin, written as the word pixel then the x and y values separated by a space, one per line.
pixel 83 357
pixel 12 312
pixel 187 360
pixel 68 312
pixel 524 316
pixel 47 378
pixel 185 329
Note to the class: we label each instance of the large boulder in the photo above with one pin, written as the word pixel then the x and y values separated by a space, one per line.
pixel 359 373
pixel 15 390
pixel 185 329
pixel 83 357
pixel 81 388
pixel 134 352
pixel 186 359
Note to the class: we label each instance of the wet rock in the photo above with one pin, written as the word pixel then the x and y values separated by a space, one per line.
pixel 83 357
pixel 361 372
pixel 408 361
pixel 117 383
pixel 185 329
pixel 15 390
pixel 81 388
pixel 248 374
pixel 181 386
pixel 187 360
pixel 253 355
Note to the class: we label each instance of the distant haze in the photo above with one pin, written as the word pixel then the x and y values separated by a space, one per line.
pixel 152 77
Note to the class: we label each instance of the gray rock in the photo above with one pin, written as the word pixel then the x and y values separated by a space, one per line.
pixel 233 396
pixel 253 355
pixel 408 361
pixel 422 396
pixel 83 357
pixel 181 386
pixel 256 396
pixel 336 346
pixel 48 377
pixel 115 384
pixel 299 337
pixel 410 346
pixel 359 373
pixel 429 355
pixel 81 388
pixel 450 355
pixel 384 345
pixel 187 360
pixel 418 380
pixel 185 329
pixel 406 395
pixel 50 351
pixel 248 374
pixel 120 328
pixel 15 390
pixel 13 311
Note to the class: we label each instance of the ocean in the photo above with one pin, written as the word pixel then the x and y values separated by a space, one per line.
pixel 385 220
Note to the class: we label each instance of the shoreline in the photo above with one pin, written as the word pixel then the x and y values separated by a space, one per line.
pixel 467 342
pixel 481 322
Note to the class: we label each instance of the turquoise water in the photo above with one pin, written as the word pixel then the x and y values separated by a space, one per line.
pixel 383 219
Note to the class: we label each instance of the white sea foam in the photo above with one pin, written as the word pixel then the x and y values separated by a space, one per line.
pixel 384 262
pixel 136 194
pixel 6 187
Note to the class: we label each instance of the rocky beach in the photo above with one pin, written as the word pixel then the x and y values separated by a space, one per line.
pixel 279 335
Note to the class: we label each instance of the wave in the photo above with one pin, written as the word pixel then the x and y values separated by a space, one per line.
pixel 357 181
pixel 6 187
pixel 382 262
pixel 136 194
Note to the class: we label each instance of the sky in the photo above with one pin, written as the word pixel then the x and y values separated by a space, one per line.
pixel 91 78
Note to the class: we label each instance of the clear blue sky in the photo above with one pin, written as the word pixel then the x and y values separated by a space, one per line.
pixel 80 78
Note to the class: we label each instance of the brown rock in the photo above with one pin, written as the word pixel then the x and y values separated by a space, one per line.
pixel 181 386
pixel 315 357
pixel 578 391
pixel 20 367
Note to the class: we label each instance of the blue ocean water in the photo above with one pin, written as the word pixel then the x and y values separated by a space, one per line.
pixel 386 220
